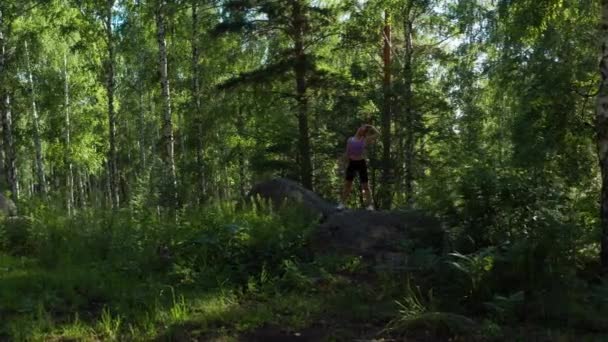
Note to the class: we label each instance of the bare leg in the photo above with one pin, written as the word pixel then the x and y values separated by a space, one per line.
pixel 348 185
pixel 367 194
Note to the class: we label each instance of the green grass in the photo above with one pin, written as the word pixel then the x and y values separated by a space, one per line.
pixel 120 307
pixel 104 276
pixel 219 274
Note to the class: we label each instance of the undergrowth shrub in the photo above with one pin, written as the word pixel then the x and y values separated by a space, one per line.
pixel 244 243
pixel 115 267
pixel 521 240
pixel 216 240
pixel 420 311
pixel 15 235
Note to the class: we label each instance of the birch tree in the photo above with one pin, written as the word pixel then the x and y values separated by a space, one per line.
pixel 168 152
pixel 602 133
pixel 39 160
pixel 5 105
pixel 67 149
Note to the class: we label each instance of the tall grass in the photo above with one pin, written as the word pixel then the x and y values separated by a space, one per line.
pixel 136 274
pixel 126 272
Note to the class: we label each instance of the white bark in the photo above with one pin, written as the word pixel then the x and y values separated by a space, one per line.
pixel 602 133
pixel 385 193
pixel 82 191
pixel 67 155
pixel 9 147
pixel 36 121
pixel 141 106
pixel 196 97
pixel 7 122
pixel 170 198
pixel 409 111
pixel 112 154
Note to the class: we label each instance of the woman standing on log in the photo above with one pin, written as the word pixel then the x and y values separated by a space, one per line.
pixel 354 156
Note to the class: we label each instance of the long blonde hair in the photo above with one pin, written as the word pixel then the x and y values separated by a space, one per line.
pixel 362 131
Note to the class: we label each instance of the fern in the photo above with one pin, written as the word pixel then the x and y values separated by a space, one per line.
pixel 417 312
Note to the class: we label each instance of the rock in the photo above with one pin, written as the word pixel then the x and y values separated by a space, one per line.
pixel 384 237
pixel 281 191
pixel 7 206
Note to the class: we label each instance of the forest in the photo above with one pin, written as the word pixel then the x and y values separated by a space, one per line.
pixel 132 133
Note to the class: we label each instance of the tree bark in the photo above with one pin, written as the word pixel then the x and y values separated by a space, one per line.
pixel 7 121
pixel 197 105
pixel 82 190
pixel 3 182
pixel 2 92
pixel 170 195
pixel 9 147
pixel 141 107
pixel 602 134
pixel 300 68
pixel 409 111
pixel 110 83
pixel 67 154
pixel 385 189
pixel 40 174
pixel 142 130
pixel 242 162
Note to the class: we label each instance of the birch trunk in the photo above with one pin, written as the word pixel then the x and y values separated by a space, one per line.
pixel 197 105
pixel 83 190
pixel 112 155
pixel 3 167
pixel 141 106
pixel 240 128
pixel 409 112
pixel 385 192
pixel 68 146
pixel 142 131
pixel 170 196
pixel 602 134
pixel 7 121
pixel 9 147
pixel 40 174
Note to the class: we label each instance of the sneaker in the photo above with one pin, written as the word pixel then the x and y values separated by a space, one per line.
pixel 341 206
pixel 370 207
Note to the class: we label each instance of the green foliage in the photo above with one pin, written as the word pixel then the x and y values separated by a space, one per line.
pixel 418 311
pixel 113 266
pixel 109 326
pixel 475 266
pixel 491 112
pixel 505 308
pixel 15 235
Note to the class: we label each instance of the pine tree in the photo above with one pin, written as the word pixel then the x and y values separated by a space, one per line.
pixel 304 26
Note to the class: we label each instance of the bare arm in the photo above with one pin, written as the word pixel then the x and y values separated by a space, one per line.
pixel 370 138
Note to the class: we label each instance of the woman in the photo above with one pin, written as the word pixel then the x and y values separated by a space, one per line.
pixel 355 148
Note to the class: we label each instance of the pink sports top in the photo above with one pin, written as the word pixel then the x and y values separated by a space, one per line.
pixel 355 148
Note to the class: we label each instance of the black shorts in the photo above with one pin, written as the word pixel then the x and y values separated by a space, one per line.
pixel 357 166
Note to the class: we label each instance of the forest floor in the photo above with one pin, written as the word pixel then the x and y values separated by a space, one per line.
pixel 228 275
pixel 36 306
